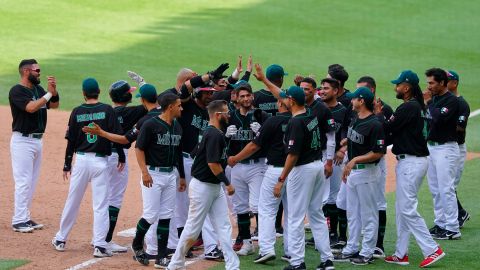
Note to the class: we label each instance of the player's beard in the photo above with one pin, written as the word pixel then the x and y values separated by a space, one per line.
pixel 400 95
pixel 34 80
pixel 223 123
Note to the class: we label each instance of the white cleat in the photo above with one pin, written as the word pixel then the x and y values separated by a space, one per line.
pixel 247 248
pixel 116 248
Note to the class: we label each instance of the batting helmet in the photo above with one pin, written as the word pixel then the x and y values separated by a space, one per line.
pixel 121 92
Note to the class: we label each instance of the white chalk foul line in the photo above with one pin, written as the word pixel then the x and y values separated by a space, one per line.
pixel 475 113
pixel 85 264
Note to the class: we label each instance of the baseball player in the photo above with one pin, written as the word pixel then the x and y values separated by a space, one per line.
pixel 159 157
pixel 443 113
pixel 366 146
pixel 379 251
pixel 28 103
pixel 120 93
pixel 263 99
pixel 270 138
pixel 206 195
pixel 408 129
pixel 91 165
pixel 464 113
pixel 246 176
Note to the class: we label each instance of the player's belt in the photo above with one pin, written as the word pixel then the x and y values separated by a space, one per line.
pixel 186 155
pixel 161 169
pixel 363 166
pixel 33 135
pixel 432 143
pixel 250 161
pixel 399 157
pixel 96 154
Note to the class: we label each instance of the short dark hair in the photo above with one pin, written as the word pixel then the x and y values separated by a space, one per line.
pixel 91 95
pixel 369 81
pixel 26 62
pixel 244 88
pixel 339 74
pixel 369 105
pixel 167 99
pixel 310 81
pixel 334 83
pixel 335 66
pixel 216 106
pixel 439 75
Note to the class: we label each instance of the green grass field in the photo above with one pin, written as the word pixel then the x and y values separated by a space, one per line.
pixel 461 254
pixel 11 264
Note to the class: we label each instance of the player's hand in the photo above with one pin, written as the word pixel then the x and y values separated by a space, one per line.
pixel 249 64
pixel 120 166
pixel 377 106
pixel 239 65
pixel 52 85
pixel 66 175
pixel 255 127
pixel 218 72
pixel 231 130
pixel 298 78
pixel 259 73
pixel 136 78
pixel 182 185
pixel 232 161
pixel 147 179
pixel 277 190
pixel 95 130
pixel 347 170
pixel 343 142
pixel 427 95
pixel 328 167
pixel 338 159
pixel 230 190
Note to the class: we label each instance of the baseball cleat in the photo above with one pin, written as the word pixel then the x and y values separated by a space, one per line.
pixel 264 258
pixel 326 265
pixel 247 248
pixel 447 235
pixel 161 263
pixel 254 235
pixel 100 252
pixel 432 258
pixel 378 253
pixel 286 258
pixel 296 267
pixel 463 218
pixel 337 248
pixel 435 229
pixel 396 260
pixel 136 78
pixel 361 260
pixel 238 244
pixel 22 227
pixel 116 248
pixel 58 245
pixel 140 256
pixel 344 257
pixel 214 255
pixel 34 225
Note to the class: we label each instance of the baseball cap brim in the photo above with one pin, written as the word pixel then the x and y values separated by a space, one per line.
pixel 396 81
pixel 283 94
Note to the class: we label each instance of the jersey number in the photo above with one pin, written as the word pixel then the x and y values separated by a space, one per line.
pixel 91 138
pixel 315 139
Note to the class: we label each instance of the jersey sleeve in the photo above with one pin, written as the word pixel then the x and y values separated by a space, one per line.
pixel 19 98
pixel 445 112
pixel 398 119
pixel 265 134
pixel 294 136
pixel 463 114
pixel 214 148
pixel 327 122
pixel 71 127
pixel 144 136
pixel 377 139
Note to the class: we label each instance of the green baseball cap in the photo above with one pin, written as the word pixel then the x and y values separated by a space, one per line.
pixel 406 76
pixel 275 71
pixel 452 75
pixel 148 92
pixel 296 93
pixel 90 86
pixel 362 92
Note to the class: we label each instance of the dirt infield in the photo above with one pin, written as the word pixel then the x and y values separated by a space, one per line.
pixel 48 204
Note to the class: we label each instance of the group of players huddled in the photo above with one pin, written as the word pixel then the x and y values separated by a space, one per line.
pixel 313 152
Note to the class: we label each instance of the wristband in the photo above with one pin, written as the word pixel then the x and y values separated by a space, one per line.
pixel 196 82
pixel 223 178
pixel 47 96
pixel 55 99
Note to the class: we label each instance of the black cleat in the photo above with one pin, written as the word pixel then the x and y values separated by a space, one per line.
pixel 264 258
pixel 326 265
pixel 296 267
pixel 140 256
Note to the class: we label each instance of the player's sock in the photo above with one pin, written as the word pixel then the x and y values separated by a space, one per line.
pixel 243 221
pixel 162 237
pixel 382 224
pixel 142 228
pixel 333 214
pixel 179 231
pixel 256 221
pixel 460 207
pixel 113 213
pixel 342 224
pixel 278 219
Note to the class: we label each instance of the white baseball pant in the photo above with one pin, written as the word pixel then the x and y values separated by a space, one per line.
pixel 441 175
pixel 267 213
pixel 206 199
pixel 159 199
pixel 461 163
pixel 381 200
pixel 327 182
pixel 88 167
pixel 247 180
pixel 342 193
pixel 26 156
pixel 335 181
pixel 409 174
pixel 362 209
pixel 117 180
pixel 305 189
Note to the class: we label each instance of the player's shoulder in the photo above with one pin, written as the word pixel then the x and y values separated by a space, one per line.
pixel 462 101
pixel 17 89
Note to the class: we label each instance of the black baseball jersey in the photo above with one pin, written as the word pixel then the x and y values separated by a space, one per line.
pixel 24 121
pixel 86 114
pixel 128 116
pixel 211 149
pixel 387 111
pixel 244 133
pixel 265 101
pixel 346 101
pixel 223 95
pixel 193 121
pixel 132 134
pixel 443 116
pixel 270 138
pixel 463 114
pixel 365 135
pixel 339 113
pixel 161 143
pixel 303 136
pixel 319 108
pixel 407 128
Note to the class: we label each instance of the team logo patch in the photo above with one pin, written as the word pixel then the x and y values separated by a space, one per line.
pixel 461 118
pixel 380 142
pixel 291 142
pixel 444 110
pixel 392 118
pixel 331 121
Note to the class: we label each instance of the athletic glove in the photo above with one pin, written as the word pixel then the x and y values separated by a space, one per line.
pixel 255 127
pixel 136 78
pixel 218 73
pixel 231 130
